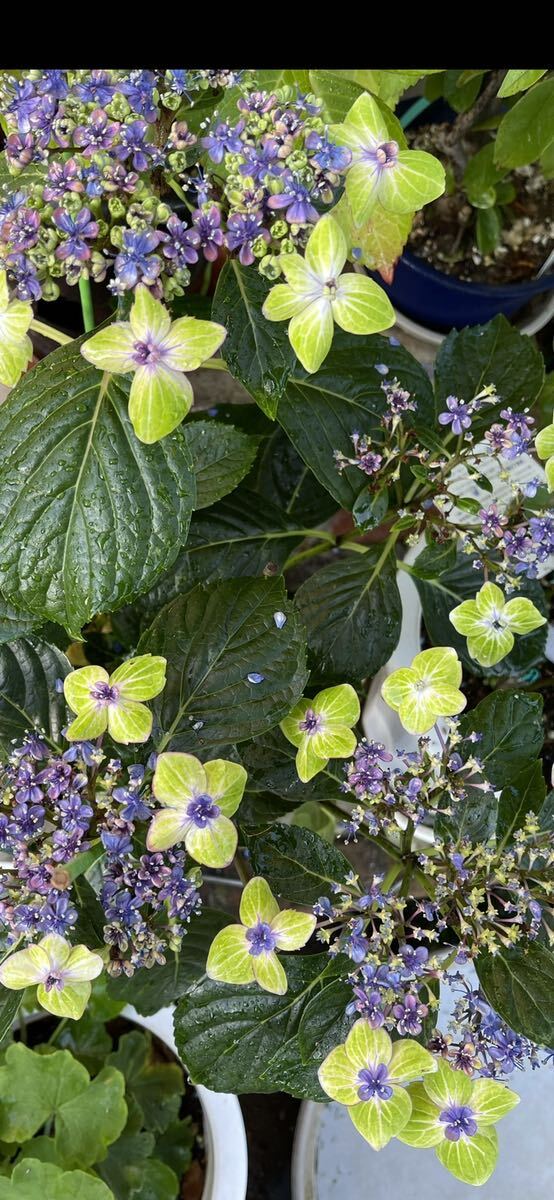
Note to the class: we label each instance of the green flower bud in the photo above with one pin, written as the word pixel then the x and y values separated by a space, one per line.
pixel 170 100
pixel 116 207
pixel 259 247
pixel 270 267
pixel 279 229
pixel 287 246
pixel 178 161
pixel 275 186
pixel 118 108
pixel 50 290
pixel 103 229
pixel 47 239
pixel 297 161
pixel 162 213
pixel 116 236
pixel 72 203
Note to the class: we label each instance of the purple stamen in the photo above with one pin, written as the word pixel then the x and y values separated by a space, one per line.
pixel 104 694
pixel 311 722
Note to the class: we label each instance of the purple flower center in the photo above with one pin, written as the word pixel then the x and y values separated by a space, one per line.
pixel 386 154
pixel 373 1082
pixel 53 980
pixel 311 722
pixel 147 354
pixel 104 694
pixel 261 938
pixel 202 809
pixel 459 1121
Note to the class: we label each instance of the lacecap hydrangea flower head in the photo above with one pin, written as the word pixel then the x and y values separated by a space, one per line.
pixel 322 728
pixel 489 622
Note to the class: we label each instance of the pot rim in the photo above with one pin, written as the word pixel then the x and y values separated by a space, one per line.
pixel 467 288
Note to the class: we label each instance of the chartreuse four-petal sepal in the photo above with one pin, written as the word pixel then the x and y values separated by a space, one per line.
pixel 158 351
pixel 246 953
pixel 456 1116
pixel 316 295
pixel 322 728
pixel 426 690
pixel 61 972
pixel 544 446
pixel 198 801
pixel 113 703
pixel 400 180
pixel 490 621
pixel 368 1074
pixel 16 349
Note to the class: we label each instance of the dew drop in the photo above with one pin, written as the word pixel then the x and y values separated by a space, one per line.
pixel 255 677
pixel 280 619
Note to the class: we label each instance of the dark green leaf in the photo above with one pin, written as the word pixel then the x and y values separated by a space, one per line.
pixel 519 984
pixel 461 95
pixel 91 920
pixel 473 817
pixel 470 359
pixel 435 559
pixel 298 864
pixel 284 479
pixel 157 1182
pixel 546 815
pixel 88 1041
pixel 29 668
pixel 213 639
pixel 240 536
pixel 338 94
pixel 124 1166
pixel 439 596
pixel 512 734
pixel 324 1023
pixel 257 352
pixel 352 613
pixel 488 229
pixel 481 176
pixel 149 990
pixel 320 412
pixel 14 623
pixel 221 456
pixel 241 1039
pixel 259 811
pixel 370 508
pixel 90 517
pixel 525 794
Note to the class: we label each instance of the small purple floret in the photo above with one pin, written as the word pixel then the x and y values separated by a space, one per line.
pixel 459 1122
pixel 203 809
pixel 373 1083
pixel 261 938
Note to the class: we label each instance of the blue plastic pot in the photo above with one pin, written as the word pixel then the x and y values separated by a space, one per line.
pixel 443 302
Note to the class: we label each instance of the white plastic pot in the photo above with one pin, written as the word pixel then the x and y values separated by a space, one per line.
pixel 224 1132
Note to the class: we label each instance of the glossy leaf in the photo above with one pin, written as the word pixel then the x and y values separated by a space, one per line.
pixel 284 479
pixel 352 616
pixel 519 984
pixel 257 352
pixel 90 516
pixel 242 1039
pixel 298 864
pixel 470 359
pixel 320 412
pixel 29 669
pixel 213 638
pixel 510 725
pixel 527 129
pixel 524 794
pixel 221 456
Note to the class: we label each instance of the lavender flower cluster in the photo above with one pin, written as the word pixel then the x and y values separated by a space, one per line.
pixel 55 806
pixel 479 1042
pixel 102 158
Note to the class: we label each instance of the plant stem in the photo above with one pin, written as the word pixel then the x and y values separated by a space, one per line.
pixel 54 1036
pixel 240 867
pixel 87 309
pixel 48 331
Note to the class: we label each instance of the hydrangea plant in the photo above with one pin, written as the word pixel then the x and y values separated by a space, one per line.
pixel 196 604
